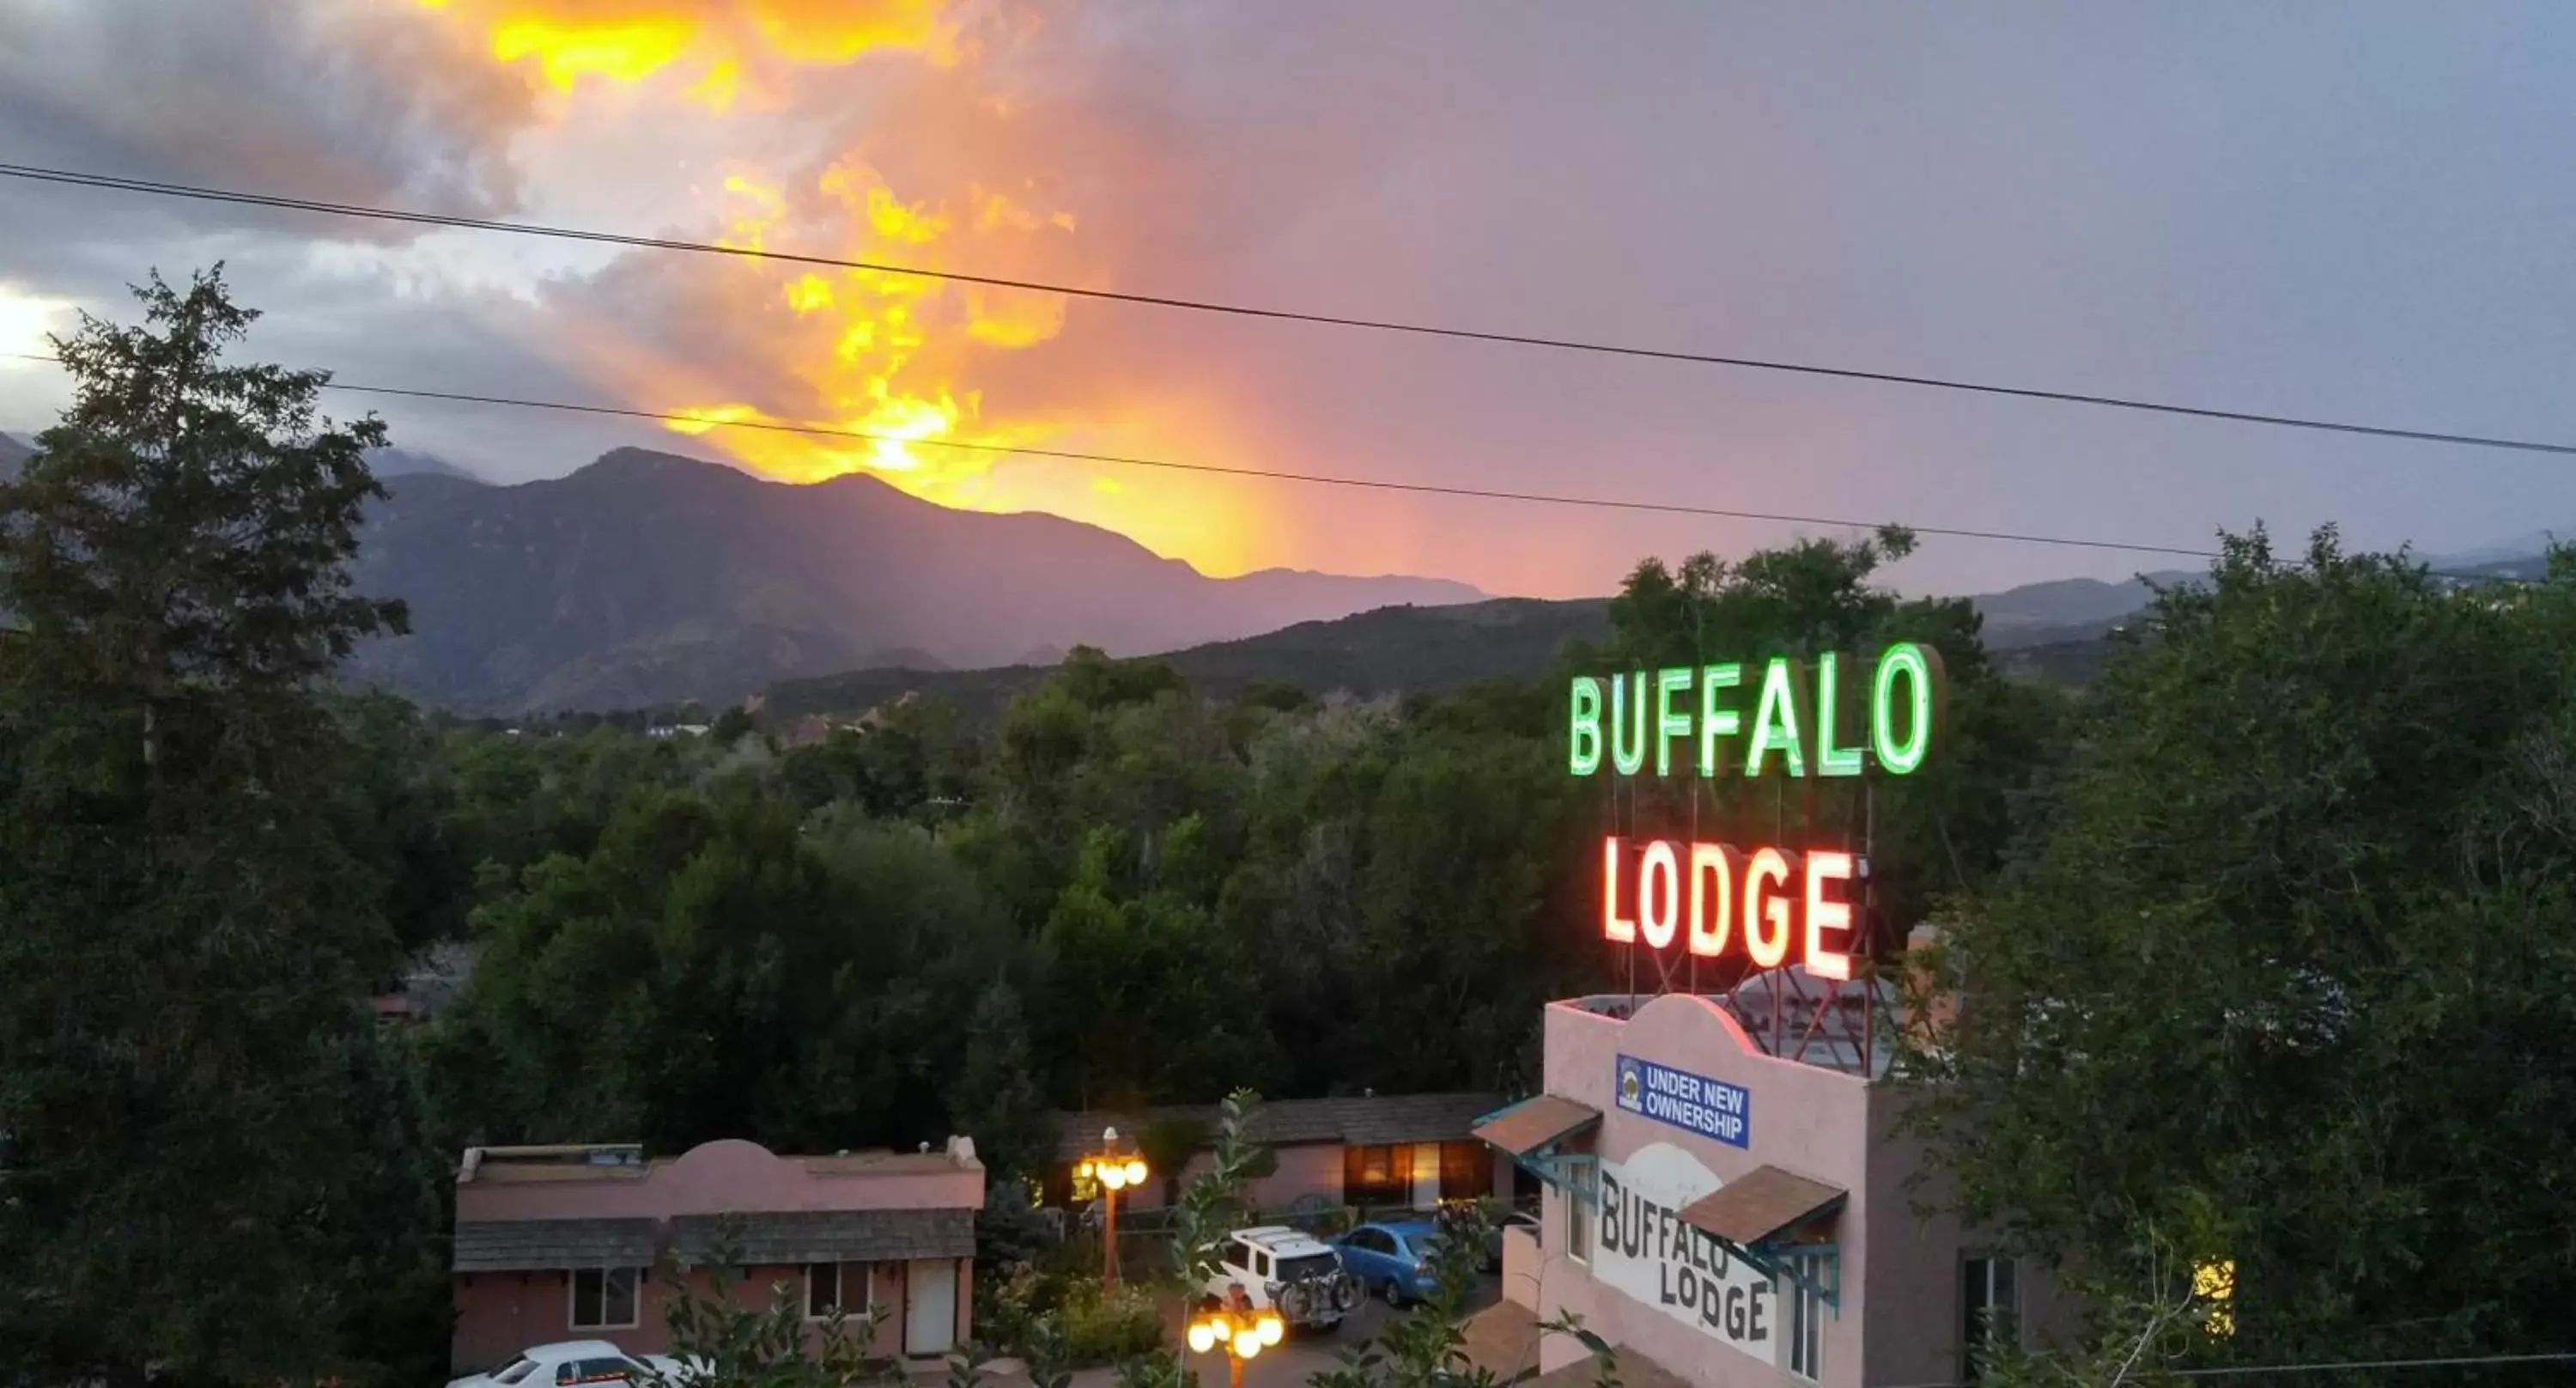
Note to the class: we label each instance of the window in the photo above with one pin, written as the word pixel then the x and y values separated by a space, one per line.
pixel 1310 1265
pixel 1239 1254
pixel 1992 1306
pixel 1581 1208
pixel 1377 1175
pixel 517 1371
pixel 1373 1241
pixel 1466 1171
pixel 2214 1286
pixel 604 1298
pixel 1806 1329
pixel 587 1371
pixel 822 1290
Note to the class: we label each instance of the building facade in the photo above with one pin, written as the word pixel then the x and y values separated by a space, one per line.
pixel 1371 1152
pixel 1726 1195
pixel 558 1243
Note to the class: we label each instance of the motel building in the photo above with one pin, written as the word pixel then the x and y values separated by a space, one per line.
pixel 1725 1193
pixel 591 1242
pixel 1726 1198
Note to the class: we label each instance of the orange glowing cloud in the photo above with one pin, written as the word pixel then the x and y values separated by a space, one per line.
pixel 719 45
pixel 894 369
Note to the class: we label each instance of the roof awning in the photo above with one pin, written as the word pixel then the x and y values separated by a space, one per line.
pixel 1534 1123
pixel 1760 1206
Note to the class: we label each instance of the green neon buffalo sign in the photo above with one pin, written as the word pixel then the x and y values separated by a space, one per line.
pixel 1800 718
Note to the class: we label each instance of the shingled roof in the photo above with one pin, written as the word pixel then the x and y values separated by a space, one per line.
pixel 1368 1120
pixel 528 1245
pixel 827 1236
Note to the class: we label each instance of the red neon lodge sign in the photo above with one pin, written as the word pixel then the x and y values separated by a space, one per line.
pixel 1772 905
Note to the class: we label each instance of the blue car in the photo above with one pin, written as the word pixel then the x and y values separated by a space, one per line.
pixel 1391 1258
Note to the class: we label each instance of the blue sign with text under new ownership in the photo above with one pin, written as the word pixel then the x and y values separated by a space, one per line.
pixel 1714 1109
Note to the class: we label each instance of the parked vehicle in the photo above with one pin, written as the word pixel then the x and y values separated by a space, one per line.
pixel 1391 1258
pixel 1274 1267
pixel 1494 1236
pixel 569 1363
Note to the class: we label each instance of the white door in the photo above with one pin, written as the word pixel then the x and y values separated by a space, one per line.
pixel 930 1308
pixel 1426 1175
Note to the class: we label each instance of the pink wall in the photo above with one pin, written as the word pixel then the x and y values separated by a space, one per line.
pixel 1522 1268
pixel 499 1314
pixel 1901 1296
pixel 1808 1120
pixel 1916 1320
pixel 727 1177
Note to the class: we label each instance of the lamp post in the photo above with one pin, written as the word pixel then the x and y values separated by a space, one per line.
pixel 1115 1172
pixel 1241 1334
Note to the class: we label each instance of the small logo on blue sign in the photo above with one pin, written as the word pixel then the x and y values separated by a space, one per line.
pixel 1712 1108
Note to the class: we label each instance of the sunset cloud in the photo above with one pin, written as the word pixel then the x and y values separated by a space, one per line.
pixel 2123 206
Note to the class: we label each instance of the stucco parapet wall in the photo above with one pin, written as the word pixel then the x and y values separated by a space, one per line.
pixel 729 1177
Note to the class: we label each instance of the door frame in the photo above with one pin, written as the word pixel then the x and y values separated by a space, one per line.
pixel 912 1285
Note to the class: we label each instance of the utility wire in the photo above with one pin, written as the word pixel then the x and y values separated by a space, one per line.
pixel 78 179
pixel 1276 475
pixel 1268 474
pixel 2319 1367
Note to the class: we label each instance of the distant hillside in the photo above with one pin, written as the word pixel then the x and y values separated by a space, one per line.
pixel 13 453
pixel 1388 650
pixel 2037 613
pixel 403 462
pixel 648 578
pixel 1412 649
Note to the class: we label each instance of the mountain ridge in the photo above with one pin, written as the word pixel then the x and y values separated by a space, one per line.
pixel 650 577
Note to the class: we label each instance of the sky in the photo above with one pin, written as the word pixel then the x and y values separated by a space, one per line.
pixel 2354 211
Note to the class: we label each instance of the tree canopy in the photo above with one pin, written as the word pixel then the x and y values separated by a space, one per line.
pixel 196 1171
pixel 2286 963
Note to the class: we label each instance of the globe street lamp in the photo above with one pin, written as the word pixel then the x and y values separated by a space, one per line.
pixel 1114 1172
pixel 1241 1334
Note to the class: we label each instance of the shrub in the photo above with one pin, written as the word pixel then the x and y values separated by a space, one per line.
pixel 1102 1325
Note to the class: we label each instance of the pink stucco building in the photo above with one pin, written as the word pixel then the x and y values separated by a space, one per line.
pixel 1726 1195
pixel 557 1243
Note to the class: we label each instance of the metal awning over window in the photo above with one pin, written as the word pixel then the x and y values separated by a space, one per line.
pixel 1759 1207
pixel 1542 1121
pixel 1772 1219
pixel 1535 1132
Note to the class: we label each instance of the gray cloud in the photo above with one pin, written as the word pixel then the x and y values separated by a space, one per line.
pixel 337 102
pixel 2356 216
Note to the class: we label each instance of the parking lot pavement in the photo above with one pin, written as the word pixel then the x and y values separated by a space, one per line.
pixel 1285 1365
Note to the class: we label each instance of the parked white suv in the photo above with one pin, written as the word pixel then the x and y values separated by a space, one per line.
pixel 1276 1268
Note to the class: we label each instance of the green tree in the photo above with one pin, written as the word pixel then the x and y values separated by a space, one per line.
pixel 186 935
pixel 997 1099
pixel 2288 944
pixel 722 1337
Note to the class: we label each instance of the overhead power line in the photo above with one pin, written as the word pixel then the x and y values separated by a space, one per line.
pixel 79 179
pixel 1266 474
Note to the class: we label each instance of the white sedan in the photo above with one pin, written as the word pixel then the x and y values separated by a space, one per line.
pixel 567 1363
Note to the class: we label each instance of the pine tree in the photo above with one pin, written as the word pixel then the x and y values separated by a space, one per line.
pixel 185 938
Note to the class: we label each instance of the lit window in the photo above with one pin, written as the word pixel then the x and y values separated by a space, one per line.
pixel 1380 1175
pixel 604 1298
pixel 2214 1286
pixel 1993 1312
pixel 1806 1329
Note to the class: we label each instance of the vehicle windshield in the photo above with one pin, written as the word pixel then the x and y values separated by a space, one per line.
pixel 518 1370
pixel 1300 1268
